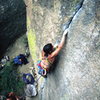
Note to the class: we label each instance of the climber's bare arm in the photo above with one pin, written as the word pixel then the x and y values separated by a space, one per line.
pixel 55 53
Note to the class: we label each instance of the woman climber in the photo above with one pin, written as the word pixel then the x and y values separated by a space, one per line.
pixel 48 55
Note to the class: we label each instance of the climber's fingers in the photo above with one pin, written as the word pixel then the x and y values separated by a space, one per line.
pixel 65 32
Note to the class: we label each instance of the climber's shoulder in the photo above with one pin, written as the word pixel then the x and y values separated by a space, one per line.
pixel 55 52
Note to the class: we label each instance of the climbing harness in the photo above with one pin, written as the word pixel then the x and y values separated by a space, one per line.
pixel 41 70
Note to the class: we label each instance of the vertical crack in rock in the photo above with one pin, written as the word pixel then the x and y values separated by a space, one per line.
pixel 67 25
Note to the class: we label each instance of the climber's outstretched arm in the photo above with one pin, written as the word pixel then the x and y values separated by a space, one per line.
pixel 55 53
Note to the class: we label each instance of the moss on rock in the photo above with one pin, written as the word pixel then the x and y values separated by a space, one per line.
pixel 31 40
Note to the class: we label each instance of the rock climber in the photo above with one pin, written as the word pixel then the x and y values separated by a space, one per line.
pixel 48 55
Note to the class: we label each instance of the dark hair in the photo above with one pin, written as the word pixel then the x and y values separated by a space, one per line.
pixel 47 49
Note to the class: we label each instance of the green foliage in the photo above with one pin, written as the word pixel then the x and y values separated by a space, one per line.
pixel 10 80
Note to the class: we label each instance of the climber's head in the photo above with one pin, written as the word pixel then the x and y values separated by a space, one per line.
pixel 48 49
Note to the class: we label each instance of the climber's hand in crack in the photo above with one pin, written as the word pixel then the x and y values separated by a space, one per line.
pixel 65 32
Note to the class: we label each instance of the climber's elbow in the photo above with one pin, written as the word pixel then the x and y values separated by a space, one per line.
pixel 56 52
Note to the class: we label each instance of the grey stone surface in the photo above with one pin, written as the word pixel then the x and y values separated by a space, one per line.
pixel 77 72
pixel 49 18
pixel 12 22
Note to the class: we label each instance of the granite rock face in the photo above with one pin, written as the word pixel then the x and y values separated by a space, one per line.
pixel 12 22
pixel 76 74
pixel 50 18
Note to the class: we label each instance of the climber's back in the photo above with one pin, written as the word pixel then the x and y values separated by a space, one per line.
pixel 47 58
